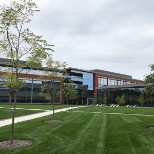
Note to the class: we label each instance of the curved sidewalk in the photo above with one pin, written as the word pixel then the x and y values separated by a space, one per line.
pixel 32 116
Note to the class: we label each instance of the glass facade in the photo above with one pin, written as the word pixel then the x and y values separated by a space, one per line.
pixel 105 81
pixel 85 79
pixel 24 71
pixel 131 96
pixel 32 87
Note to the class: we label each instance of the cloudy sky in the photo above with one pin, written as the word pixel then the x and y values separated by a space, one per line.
pixel 112 35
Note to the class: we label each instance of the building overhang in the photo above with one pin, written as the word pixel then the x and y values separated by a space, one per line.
pixel 141 85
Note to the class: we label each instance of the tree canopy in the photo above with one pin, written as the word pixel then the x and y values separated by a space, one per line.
pixel 149 90
pixel 70 92
pixel 150 77
pixel 18 42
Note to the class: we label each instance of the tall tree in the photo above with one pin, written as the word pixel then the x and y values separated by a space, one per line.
pixel 54 71
pixel 150 77
pixel 18 42
pixel 149 90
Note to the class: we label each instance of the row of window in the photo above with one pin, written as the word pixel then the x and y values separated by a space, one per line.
pixel 28 71
pixel 104 81
pixel 86 79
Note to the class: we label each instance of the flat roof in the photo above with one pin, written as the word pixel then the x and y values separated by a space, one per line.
pixel 98 71
pixel 77 69
pixel 141 85
pixel 111 73
pixel 8 63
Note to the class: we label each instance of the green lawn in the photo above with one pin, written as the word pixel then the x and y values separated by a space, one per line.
pixel 125 110
pixel 35 106
pixel 88 132
pixel 6 112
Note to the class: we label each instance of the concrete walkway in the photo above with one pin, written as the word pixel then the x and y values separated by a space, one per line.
pixel 32 116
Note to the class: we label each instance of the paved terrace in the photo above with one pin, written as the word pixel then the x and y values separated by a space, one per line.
pixel 32 116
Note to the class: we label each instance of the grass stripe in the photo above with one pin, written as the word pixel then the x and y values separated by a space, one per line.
pixel 101 138
pixel 129 119
pixel 132 149
pixel 82 135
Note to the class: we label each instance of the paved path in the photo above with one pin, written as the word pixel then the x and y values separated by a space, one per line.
pixel 32 116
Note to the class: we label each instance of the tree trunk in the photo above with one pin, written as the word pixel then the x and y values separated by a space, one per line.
pixel 53 97
pixel 10 98
pixel 67 104
pixel 32 92
pixel 53 110
pixel 14 107
pixel 13 118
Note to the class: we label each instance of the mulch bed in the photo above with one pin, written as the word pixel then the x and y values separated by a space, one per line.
pixel 16 144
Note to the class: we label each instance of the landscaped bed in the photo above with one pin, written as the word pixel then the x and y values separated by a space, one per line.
pixel 87 132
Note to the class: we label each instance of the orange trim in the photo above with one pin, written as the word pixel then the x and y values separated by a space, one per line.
pixel 97 75
pixel 32 76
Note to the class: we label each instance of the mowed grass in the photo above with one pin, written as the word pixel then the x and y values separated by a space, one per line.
pixel 6 113
pixel 88 132
pixel 22 109
pixel 35 106
pixel 121 110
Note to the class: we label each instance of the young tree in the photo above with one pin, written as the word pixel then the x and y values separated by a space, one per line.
pixel 9 81
pixel 141 99
pixel 95 99
pixel 70 92
pixel 104 99
pixel 117 100
pixel 54 71
pixel 122 99
pixel 149 92
pixel 18 42
pixel 73 94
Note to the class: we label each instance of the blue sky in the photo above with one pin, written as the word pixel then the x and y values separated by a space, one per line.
pixel 112 35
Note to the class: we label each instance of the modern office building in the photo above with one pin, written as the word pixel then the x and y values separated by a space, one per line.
pixel 83 81
pixel 87 82
pixel 92 83
pixel 132 93
pixel 34 79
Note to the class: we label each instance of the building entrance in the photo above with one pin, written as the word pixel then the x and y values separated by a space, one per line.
pixel 90 101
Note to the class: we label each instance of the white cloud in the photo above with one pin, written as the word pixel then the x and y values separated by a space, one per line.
pixel 114 35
